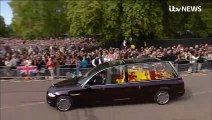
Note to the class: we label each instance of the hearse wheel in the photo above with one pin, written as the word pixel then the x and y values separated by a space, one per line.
pixel 63 103
pixel 162 97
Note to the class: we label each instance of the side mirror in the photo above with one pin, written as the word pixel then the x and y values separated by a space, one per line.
pixel 87 86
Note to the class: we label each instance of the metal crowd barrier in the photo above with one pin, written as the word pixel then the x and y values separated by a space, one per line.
pixel 59 72
pixel 196 67
pixel 62 72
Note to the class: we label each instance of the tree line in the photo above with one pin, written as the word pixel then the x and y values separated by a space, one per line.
pixel 5 30
pixel 110 20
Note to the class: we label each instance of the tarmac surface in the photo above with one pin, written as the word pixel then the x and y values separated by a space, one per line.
pixel 25 100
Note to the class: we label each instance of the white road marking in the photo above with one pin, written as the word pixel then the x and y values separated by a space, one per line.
pixel 3 80
pixel 22 105
pixel 29 80
pixel 203 92
pixel 199 74
pixel 194 74
pixel 37 103
pixel 184 75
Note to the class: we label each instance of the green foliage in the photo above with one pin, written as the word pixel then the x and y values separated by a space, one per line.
pixel 141 19
pixel 110 20
pixel 41 18
pixel 9 31
pixel 198 23
pixel 2 26
pixel 201 23
pixel 84 17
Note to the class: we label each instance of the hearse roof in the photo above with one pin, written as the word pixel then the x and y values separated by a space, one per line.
pixel 128 61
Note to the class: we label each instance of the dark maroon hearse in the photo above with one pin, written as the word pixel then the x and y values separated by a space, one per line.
pixel 119 80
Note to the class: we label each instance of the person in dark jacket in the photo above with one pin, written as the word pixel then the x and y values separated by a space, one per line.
pixel 98 60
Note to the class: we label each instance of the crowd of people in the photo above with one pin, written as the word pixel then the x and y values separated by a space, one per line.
pixel 76 53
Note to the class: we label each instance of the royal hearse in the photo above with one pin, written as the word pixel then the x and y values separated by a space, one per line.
pixel 146 78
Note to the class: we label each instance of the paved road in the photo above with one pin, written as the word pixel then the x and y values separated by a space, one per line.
pixel 26 101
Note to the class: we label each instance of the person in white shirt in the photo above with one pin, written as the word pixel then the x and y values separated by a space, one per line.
pixel 105 56
pixel 193 62
pixel 124 44
pixel 8 65
pixel 193 59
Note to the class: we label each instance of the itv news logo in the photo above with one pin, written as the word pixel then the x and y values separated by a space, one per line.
pixel 185 9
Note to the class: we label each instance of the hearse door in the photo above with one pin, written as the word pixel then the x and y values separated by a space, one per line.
pixel 94 89
pixel 135 78
pixel 117 92
pixel 116 85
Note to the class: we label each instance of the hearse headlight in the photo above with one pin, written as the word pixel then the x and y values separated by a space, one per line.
pixel 51 95
pixel 57 93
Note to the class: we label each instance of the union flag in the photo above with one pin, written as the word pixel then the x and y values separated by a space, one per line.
pixel 27 69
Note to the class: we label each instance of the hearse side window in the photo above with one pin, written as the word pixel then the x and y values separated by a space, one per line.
pixel 98 79
pixel 150 71
pixel 161 70
pixel 116 74
pixel 138 72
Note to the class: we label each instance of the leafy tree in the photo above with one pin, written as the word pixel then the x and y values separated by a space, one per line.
pixel 187 24
pixel 2 26
pixel 113 19
pixel 8 31
pixel 84 17
pixel 141 19
pixel 200 23
pixel 42 18
pixel 110 20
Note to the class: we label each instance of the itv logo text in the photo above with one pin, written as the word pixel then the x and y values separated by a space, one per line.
pixel 185 9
